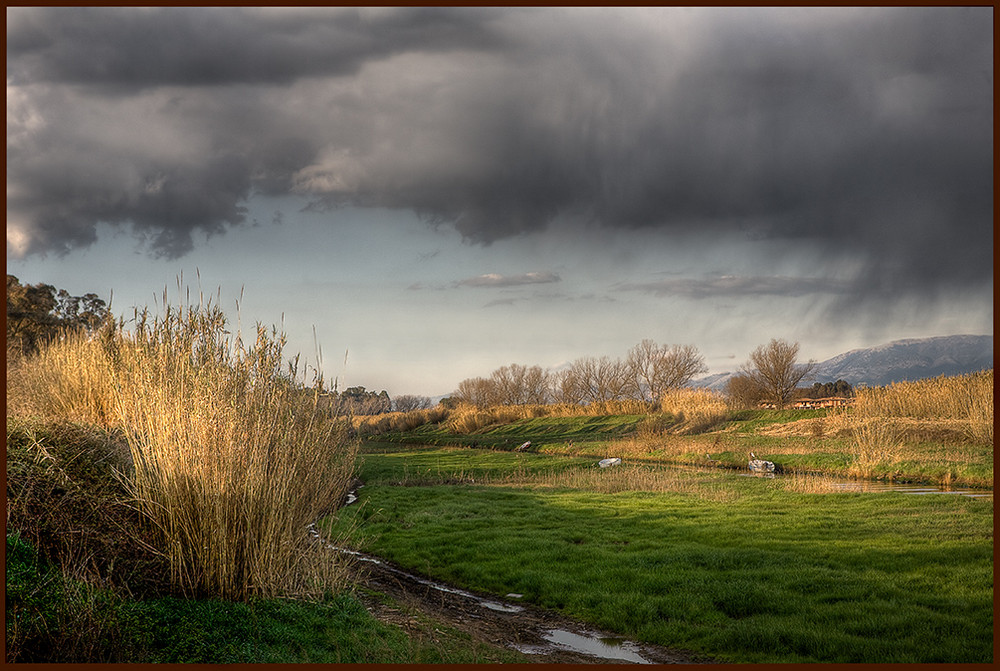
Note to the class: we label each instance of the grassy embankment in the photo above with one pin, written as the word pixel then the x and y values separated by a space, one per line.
pixel 741 569
pixel 935 431
pixel 159 486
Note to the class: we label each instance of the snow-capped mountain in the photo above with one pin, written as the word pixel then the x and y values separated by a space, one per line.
pixel 909 359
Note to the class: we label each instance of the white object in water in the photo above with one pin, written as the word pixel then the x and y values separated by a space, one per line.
pixel 604 463
pixel 760 465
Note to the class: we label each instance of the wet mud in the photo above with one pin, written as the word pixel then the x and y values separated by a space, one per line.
pixel 540 634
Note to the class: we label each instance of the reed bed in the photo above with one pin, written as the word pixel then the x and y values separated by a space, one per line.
pixel 883 419
pixel 232 459
pixel 397 421
pixel 968 398
pixel 690 411
pixel 695 410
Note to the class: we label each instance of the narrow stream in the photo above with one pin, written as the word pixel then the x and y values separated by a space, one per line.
pixel 844 484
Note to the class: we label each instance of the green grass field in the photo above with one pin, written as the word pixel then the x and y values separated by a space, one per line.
pixel 739 568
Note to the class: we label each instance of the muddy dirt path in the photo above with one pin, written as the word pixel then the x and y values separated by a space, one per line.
pixel 540 634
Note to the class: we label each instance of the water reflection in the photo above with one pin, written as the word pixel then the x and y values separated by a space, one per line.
pixel 868 486
pixel 617 649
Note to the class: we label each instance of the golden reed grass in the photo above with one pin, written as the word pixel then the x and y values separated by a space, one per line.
pixel 468 418
pixel 67 380
pixel 231 459
pixel 695 410
pixel 882 418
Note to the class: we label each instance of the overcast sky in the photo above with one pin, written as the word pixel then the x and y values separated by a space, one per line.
pixel 440 192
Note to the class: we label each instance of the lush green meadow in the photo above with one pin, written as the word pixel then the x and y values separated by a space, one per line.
pixel 742 569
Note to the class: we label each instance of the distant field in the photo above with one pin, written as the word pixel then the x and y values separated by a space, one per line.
pixel 938 451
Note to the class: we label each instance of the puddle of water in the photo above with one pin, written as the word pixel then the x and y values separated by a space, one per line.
pixel 595 646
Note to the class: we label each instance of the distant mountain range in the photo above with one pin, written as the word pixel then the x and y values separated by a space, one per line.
pixel 910 359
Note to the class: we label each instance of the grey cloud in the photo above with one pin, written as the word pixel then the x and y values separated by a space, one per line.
pixel 734 286
pixel 204 46
pixel 865 131
pixel 498 280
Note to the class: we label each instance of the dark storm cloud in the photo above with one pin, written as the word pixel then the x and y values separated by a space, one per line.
pixel 205 46
pixel 866 132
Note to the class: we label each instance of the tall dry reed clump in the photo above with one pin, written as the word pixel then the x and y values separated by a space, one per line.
pixel 878 417
pixel 232 460
pixel 695 410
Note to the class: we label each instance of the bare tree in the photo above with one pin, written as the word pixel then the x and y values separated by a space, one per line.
pixel 475 390
pixel 742 392
pixel 772 368
pixel 408 402
pixel 656 369
pixel 506 382
pixel 641 362
pixel 537 383
pixel 612 379
pixel 591 380
pixel 678 364
pixel 567 386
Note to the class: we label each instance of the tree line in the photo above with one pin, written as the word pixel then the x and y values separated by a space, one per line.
pixel 360 401
pixel 38 313
pixel 649 371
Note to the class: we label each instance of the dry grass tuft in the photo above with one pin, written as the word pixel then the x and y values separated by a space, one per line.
pixel 232 460
pixel 803 483
pixel 696 410
pixel 832 426
pixel 943 409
